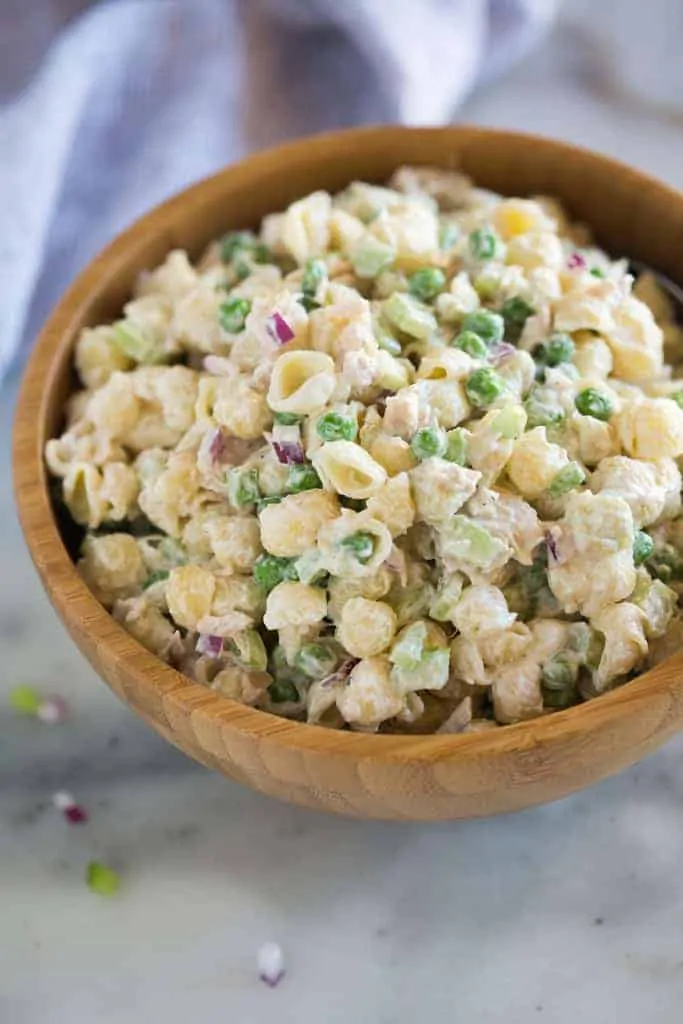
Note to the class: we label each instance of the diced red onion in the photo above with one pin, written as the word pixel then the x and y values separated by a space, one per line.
pixel 278 329
pixel 553 550
pixel 217 445
pixel 286 442
pixel 288 452
pixel 341 674
pixel 52 710
pixel 73 812
pixel 210 645
pixel 576 261
pixel 76 815
pixel 500 350
pixel 270 963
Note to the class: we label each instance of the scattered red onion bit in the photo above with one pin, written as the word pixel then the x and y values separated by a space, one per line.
pixel 217 445
pixel 73 812
pixel 52 710
pixel 278 329
pixel 501 350
pixel 210 645
pixel 270 963
pixel 575 261
pixel 341 674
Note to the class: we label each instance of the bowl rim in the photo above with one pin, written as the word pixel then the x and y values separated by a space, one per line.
pixel 75 602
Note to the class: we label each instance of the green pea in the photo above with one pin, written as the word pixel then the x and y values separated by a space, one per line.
pixel 428 442
pixel 598 272
pixel 283 691
pixel 287 419
pixel 237 244
pixel 643 546
pixel 558 349
pixel 426 283
pixel 484 244
pixel 233 313
pixel 665 563
pixel 515 312
pixel 484 387
pixel 333 426
pixel 271 499
pixel 456 446
pixel 316 660
pixel 471 343
pixel 488 325
pixel 558 681
pixel 302 477
pixel 243 488
pixel 269 570
pixel 361 545
pixel 591 402
pixel 155 577
pixel 566 479
pixel 540 413
pixel 242 268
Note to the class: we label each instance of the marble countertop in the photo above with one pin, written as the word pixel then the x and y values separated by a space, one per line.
pixel 571 911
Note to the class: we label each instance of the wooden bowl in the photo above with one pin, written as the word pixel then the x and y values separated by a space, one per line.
pixel 401 777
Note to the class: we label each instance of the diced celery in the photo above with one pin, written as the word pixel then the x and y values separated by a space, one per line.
pixel 408 650
pixel 411 602
pixel 410 316
pixel 310 566
pixel 510 422
pixel 384 337
pixel 318 659
pixel 369 256
pixel 658 603
pixel 463 539
pixel 248 649
pixel 430 673
pixel 136 344
pixel 391 374
pixel 446 597
pixel 456 446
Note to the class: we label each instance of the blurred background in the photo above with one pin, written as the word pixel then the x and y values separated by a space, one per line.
pixel 564 911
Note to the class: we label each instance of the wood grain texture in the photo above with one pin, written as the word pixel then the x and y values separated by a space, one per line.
pixel 400 777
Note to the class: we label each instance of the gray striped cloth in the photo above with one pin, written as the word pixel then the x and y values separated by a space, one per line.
pixel 134 99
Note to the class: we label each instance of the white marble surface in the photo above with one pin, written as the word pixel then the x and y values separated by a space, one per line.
pixel 567 912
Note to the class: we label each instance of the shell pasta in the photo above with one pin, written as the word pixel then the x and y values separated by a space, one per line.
pixel 407 459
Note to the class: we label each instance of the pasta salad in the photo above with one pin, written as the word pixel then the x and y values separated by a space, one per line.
pixel 406 459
